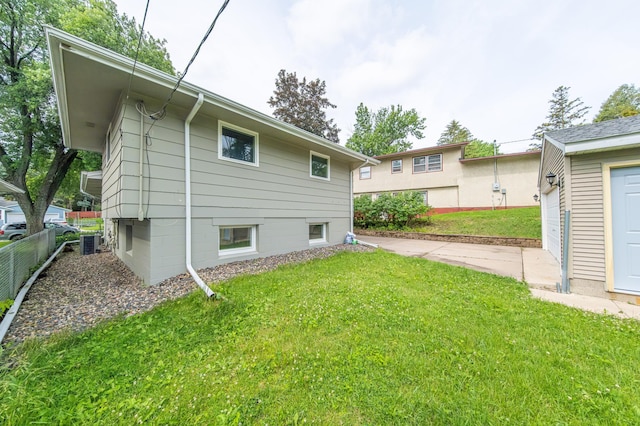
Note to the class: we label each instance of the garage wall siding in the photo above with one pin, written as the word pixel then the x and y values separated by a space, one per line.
pixel 587 218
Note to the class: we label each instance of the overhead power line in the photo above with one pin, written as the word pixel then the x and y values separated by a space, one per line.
pixel 161 112
pixel 135 60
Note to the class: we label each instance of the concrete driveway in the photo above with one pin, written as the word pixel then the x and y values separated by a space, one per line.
pixel 534 266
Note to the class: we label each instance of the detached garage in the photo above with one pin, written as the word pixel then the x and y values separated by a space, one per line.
pixel 593 172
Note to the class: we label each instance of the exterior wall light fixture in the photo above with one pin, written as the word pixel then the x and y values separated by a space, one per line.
pixel 551 178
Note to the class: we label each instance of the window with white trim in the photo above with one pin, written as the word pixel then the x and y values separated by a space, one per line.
pixel 237 144
pixel 365 172
pixel 396 166
pixel 317 233
pixel 319 165
pixel 237 240
pixel 427 163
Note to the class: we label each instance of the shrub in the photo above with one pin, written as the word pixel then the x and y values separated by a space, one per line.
pixel 5 305
pixel 390 211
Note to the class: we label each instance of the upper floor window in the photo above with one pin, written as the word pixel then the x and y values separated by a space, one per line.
pixel 428 163
pixel 365 172
pixel 396 166
pixel 237 144
pixel 319 165
pixel 434 163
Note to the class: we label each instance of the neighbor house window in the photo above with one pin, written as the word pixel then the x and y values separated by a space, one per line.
pixel 365 172
pixel 317 233
pixel 428 163
pixel 424 197
pixel 237 144
pixel 319 166
pixel 434 163
pixel 396 166
pixel 237 240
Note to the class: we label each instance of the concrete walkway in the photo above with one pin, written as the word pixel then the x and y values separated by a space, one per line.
pixel 534 266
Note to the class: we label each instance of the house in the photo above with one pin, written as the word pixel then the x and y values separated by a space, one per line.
pixel 10 212
pixel 450 182
pixel 589 177
pixel 198 181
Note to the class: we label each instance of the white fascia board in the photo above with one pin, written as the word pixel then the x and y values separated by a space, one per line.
pixel 557 144
pixel 8 187
pixel 114 60
pixel 603 144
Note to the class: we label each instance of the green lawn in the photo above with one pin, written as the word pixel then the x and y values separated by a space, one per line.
pixel 4 243
pixel 521 222
pixel 359 338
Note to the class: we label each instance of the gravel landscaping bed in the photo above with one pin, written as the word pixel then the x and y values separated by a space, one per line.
pixel 77 292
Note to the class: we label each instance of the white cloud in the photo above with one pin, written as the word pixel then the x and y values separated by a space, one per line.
pixel 491 64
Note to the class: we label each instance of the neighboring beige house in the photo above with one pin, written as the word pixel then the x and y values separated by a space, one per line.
pixel 450 182
pixel 203 182
pixel 593 172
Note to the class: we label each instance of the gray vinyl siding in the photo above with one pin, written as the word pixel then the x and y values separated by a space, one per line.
pixel 279 197
pixel 279 187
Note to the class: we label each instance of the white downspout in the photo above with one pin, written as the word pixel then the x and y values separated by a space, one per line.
pixel 187 191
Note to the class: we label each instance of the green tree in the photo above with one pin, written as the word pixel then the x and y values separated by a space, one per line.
pixel 563 113
pixel 455 133
pixel 303 105
pixel 478 148
pixel 385 131
pixel 32 154
pixel 623 102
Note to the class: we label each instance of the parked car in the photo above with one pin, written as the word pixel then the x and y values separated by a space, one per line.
pixel 12 231
pixel 16 230
pixel 58 221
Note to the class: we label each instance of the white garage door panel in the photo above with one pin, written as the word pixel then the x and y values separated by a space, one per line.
pixel 19 217
pixel 552 222
pixel 625 214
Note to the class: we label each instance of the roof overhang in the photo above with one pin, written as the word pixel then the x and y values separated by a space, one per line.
pixel 91 184
pixel 515 156
pixel 611 143
pixel 89 81
pixel 423 151
pixel 7 188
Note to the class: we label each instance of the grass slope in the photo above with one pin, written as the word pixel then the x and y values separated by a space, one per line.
pixel 359 338
pixel 522 222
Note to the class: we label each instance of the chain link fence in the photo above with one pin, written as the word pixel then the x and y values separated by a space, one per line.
pixel 18 260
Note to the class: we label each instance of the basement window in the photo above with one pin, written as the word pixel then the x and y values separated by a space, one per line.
pixel 237 240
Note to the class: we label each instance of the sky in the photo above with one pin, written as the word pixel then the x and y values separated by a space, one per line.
pixel 492 65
